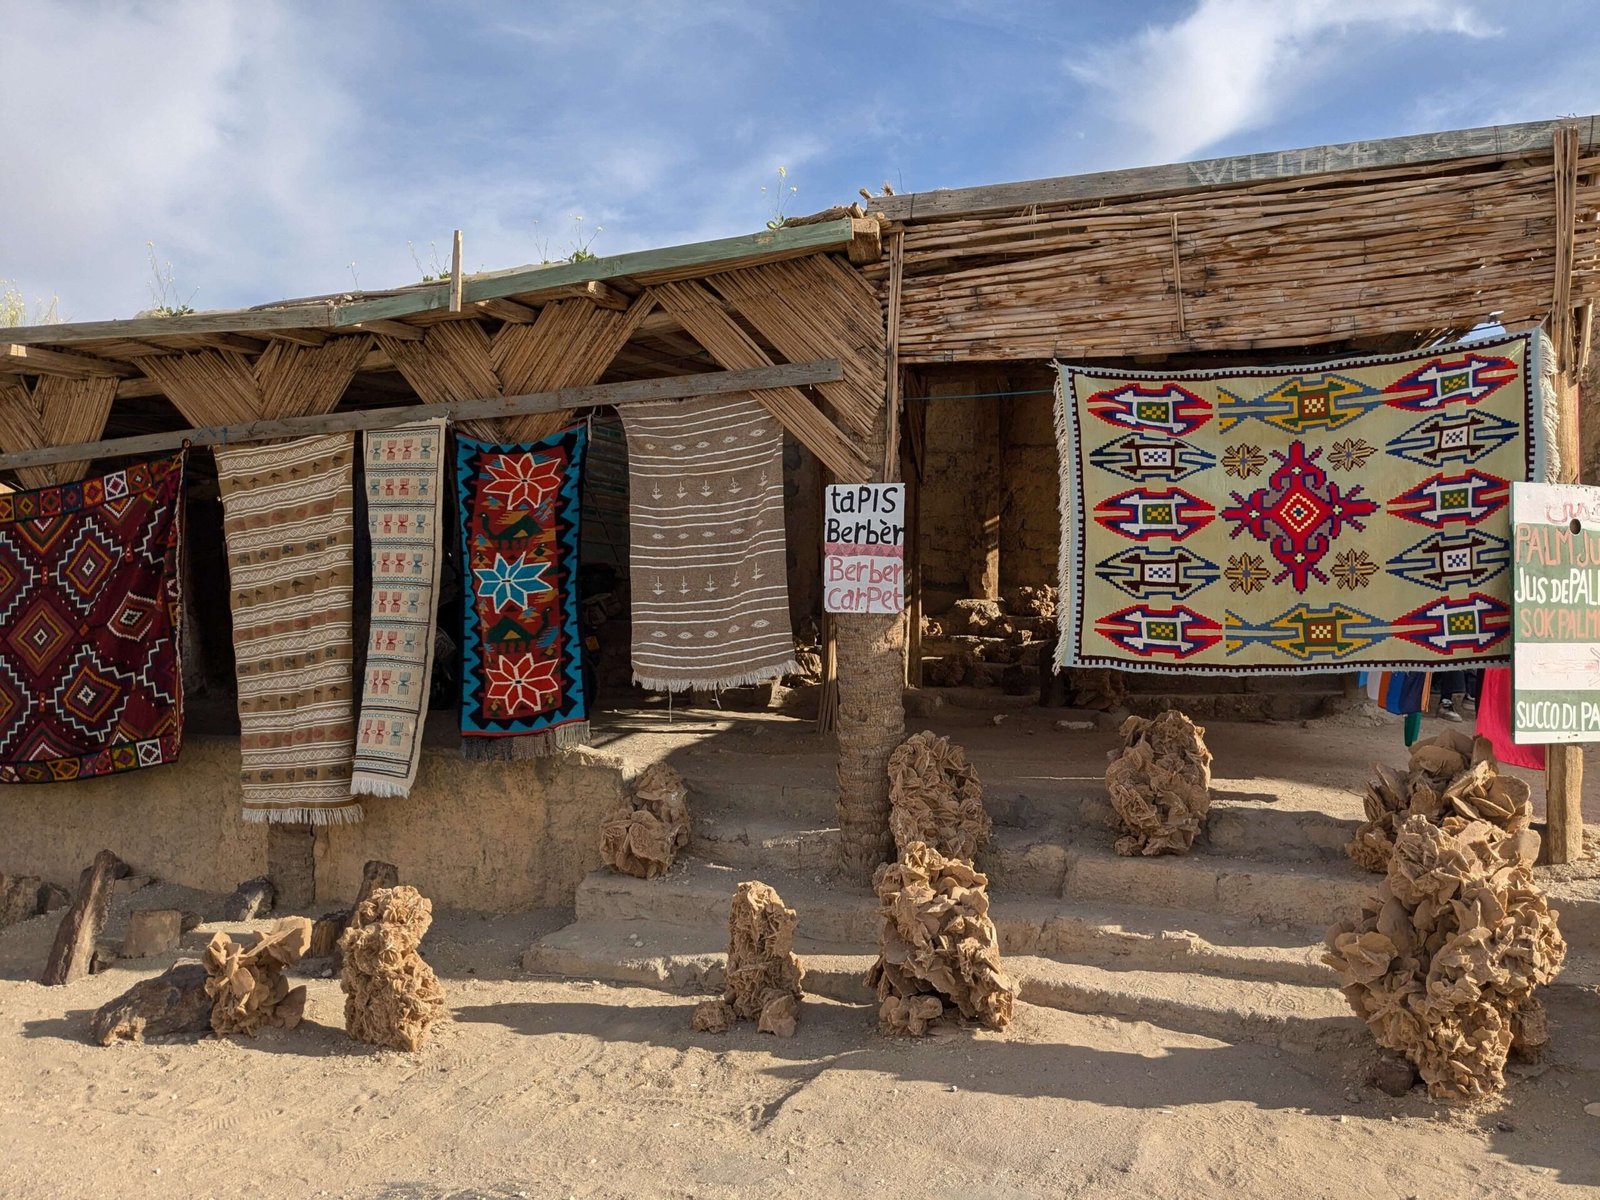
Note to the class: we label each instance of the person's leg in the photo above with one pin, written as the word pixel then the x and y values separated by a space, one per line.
pixel 1451 686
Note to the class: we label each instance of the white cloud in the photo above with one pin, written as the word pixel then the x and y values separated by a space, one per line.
pixel 265 148
pixel 1234 65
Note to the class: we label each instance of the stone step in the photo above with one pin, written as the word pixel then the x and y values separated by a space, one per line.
pixel 1072 810
pixel 695 897
pixel 652 954
pixel 1309 895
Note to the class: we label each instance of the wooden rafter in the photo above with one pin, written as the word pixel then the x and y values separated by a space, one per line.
pixel 569 344
pixel 702 316
pixel 813 306
pixel 33 360
pixel 217 387
pixel 673 387
pixel 54 411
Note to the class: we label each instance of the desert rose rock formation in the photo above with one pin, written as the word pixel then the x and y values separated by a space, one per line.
pixel 1160 784
pixel 938 945
pixel 642 838
pixel 1444 960
pixel 245 979
pixel 935 797
pixel 391 997
pixel 1452 775
pixel 763 983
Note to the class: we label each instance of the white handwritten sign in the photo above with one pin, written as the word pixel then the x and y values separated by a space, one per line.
pixel 1555 639
pixel 864 548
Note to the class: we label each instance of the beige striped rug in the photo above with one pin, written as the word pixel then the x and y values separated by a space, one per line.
pixel 710 590
pixel 404 479
pixel 288 518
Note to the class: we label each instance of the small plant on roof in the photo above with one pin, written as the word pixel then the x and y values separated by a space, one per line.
pixel 778 196
pixel 164 289
pixel 578 250
pixel 435 271
pixel 14 308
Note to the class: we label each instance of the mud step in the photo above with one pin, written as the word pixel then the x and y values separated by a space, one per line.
pixel 694 899
pixel 652 954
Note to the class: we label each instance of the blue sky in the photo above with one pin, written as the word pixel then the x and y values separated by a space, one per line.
pixel 266 147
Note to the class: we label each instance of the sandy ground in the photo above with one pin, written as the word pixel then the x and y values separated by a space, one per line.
pixel 545 1089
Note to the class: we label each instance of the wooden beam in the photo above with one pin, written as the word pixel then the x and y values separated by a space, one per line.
pixel 600 294
pixel 309 316
pixel 674 387
pixel 1494 142
pixel 133 389
pixel 455 273
pixel 1563 803
pixel 33 360
pixel 866 242
pixel 507 310
pixel 705 320
pixel 556 280
pixel 300 337
pixel 398 330
pixel 233 341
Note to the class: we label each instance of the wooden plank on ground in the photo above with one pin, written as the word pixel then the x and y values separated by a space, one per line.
pixel 73 949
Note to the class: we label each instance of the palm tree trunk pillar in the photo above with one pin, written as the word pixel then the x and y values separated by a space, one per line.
pixel 871 723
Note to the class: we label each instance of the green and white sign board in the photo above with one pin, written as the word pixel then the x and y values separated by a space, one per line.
pixel 1555 631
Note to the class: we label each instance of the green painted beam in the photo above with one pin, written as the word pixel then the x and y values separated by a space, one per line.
pixel 319 316
pixel 694 258
pixel 643 265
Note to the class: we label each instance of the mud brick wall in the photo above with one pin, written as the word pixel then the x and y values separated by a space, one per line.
pixel 990 516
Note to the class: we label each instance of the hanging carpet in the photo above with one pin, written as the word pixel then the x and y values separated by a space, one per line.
pixel 403 470
pixel 287 513
pixel 522 654
pixel 709 592
pixel 1351 514
pixel 90 603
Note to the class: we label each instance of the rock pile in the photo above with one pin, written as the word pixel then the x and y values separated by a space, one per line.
pixel 764 976
pixel 642 837
pixel 1443 962
pixel 391 996
pixel 1452 775
pixel 245 979
pixel 1160 784
pixel 939 946
pixel 935 797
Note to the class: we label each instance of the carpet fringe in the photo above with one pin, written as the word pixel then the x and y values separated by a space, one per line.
pixel 684 683
pixel 1547 438
pixel 345 814
pixel 368 785
pixel 526 747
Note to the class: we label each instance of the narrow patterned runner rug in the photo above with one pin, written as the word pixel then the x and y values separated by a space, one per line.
pixel 288 515
pixel 1258 521
pixel 404 473
pixel 710 590
pixel 90 604
pixel 522 689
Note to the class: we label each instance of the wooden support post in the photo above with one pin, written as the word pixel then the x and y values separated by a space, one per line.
pixel 455 273
pixel 983 571
pixel 1563 803
pixel 1563 764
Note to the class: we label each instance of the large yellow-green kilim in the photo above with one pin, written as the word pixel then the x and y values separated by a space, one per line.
pixel 1351 514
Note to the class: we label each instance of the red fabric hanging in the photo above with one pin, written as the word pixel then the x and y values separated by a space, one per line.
pixel 1494 721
